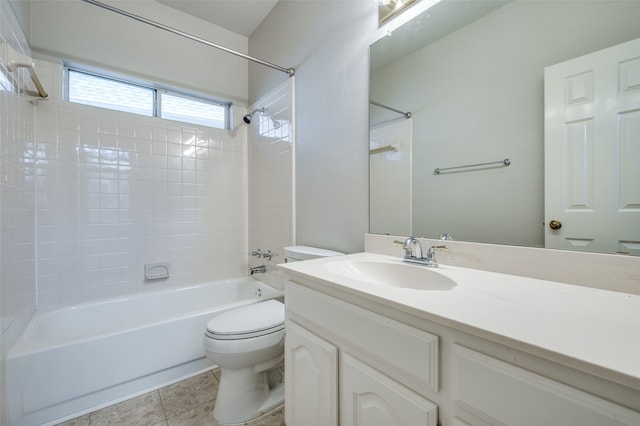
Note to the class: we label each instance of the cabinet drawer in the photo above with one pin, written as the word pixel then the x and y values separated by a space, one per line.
pixel 501 393
pixel 404 352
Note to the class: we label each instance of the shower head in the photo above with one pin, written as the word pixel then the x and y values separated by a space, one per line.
pixel 247 118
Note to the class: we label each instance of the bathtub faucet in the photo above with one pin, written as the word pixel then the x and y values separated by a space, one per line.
pixel 258 269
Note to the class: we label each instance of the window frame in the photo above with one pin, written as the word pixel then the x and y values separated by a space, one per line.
pixel 157 91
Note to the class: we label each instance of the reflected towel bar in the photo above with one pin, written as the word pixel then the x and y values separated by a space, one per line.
pixel 504 162
pixel 406 114
pixel 393 148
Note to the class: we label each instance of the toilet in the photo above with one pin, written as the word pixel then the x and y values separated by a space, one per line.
pixel 247 343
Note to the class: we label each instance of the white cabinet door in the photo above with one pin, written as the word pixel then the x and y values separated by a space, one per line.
pixel 592 151
pixel 370 398
pixel 311 374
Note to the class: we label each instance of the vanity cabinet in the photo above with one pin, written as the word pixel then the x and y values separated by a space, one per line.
pixel 355 361
pixel 345 365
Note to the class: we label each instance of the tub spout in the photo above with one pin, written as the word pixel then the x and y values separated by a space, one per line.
pixel 258 269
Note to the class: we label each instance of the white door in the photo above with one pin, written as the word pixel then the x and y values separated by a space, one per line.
pixel 592 151
pixel 311 372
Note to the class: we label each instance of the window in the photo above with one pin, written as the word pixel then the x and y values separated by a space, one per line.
pixel 194 111
pixel 105 92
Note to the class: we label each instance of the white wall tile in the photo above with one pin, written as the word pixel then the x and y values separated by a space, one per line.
pixel 138 190
pixel 17 199
pixel 270 156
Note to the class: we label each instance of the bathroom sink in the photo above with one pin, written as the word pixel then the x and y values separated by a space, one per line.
pixel 392 274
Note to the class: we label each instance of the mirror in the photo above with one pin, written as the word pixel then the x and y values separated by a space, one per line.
pixel 471 75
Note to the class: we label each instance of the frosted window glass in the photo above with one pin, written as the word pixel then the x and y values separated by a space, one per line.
pixel 106 93
pixel 193 111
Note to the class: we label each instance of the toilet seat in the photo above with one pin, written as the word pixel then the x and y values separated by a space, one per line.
pixel 255 320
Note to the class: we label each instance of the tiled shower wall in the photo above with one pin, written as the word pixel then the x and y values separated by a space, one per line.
pixel 17 188
pixel 271 192
pixel 17 197
pixel 117 190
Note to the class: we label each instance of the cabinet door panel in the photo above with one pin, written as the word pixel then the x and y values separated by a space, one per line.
pixel 373 336
pixel 311 376
pixel 369 398
pixel 501 393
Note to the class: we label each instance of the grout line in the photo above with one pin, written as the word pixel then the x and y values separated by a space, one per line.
pixel 164 411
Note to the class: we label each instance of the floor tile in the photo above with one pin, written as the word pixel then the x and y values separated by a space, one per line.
pixel 186 403
pixel 187 394
pixel 144 410
pixel 274 418
pixel 201 415
pixel 78 421
pixel 216 372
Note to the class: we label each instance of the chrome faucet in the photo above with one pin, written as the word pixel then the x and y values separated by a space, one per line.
pixel 413 253
pixel 412 248
pixel 258 269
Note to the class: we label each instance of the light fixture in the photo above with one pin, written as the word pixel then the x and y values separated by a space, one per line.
pixel 388 9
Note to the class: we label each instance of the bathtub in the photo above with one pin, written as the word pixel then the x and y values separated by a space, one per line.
pixel 74 360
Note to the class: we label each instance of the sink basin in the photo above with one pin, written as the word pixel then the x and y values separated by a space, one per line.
pixel 392 274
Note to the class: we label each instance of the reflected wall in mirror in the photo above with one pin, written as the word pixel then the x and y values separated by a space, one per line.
pixel 472 75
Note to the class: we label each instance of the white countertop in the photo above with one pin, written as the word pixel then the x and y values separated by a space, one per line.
pixel 586 328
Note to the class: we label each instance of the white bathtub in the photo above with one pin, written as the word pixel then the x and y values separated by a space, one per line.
pixel 76 359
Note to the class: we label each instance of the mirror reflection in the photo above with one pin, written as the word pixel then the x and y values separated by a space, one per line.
pixel 472 76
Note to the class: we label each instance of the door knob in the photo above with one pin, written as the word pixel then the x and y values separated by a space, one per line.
pixel 555 225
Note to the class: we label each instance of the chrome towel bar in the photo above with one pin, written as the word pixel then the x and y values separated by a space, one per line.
pixel 504 162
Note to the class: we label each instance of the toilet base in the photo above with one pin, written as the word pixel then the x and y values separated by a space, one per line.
pixel 275 417
pixel 244 395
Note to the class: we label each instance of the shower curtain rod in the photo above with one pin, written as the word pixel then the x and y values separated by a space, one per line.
pixel 138 18
pixel 406 114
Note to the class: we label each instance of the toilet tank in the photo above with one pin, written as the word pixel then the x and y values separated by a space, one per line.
pixel 297 253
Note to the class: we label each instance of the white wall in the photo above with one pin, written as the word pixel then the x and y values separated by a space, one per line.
pixel 326 41
pixel 17 198
pixel 78 31
pixel 476 96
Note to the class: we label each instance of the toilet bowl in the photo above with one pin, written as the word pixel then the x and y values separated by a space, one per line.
pixel 247 343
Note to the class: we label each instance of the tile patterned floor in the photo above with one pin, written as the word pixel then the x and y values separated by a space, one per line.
pixel 186 403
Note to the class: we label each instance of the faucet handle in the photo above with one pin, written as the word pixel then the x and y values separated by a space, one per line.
pixel 405 246
pixel 267 255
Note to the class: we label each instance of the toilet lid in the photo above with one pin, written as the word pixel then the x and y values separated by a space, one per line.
pixel 248 321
